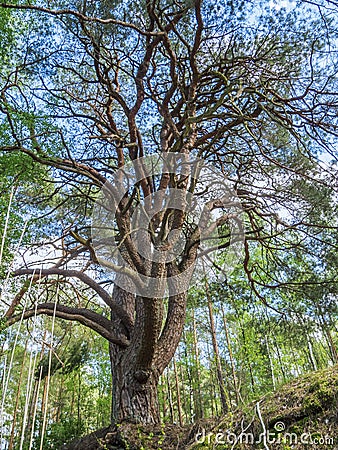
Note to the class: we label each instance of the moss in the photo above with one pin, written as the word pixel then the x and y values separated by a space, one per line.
pixel 307 405
pixel 321 395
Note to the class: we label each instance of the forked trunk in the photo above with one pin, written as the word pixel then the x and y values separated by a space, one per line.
pixel 136 369
pixel 134 392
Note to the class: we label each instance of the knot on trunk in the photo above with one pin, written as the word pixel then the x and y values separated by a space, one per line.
pixel 142 375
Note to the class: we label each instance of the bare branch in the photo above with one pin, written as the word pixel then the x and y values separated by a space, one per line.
pixel 84 316
pixel 120 312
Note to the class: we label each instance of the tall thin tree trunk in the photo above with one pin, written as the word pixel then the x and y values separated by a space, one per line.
pixel 18 392
pixel 213 384
pixel 247 361
pixel 296 365
pixel 197 391
pixel 163 401
pixel 311 353
pixel 34 397
pixel 332 346
pixel 279 357
pixel 78 423
pixel 224 396
pixel 231 357
pixel 272 371
pixel 178 394
pixel 59 404
pixel 170 397
pixel 184 396
pixel 188 371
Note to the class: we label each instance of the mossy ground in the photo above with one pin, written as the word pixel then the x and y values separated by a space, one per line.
pixel 300 415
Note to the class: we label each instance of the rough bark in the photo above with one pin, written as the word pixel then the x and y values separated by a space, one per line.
pixel 136 368
pixel 135 398
pixel 134 387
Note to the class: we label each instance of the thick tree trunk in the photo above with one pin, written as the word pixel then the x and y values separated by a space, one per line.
pixel 135 397
pixel 134 391
pixel 136 369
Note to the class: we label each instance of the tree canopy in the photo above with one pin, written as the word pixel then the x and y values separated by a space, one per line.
pixel 95 88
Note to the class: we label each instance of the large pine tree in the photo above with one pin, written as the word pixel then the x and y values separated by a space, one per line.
pixel 98 85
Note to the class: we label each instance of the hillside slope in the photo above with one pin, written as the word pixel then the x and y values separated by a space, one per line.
pixel 302 414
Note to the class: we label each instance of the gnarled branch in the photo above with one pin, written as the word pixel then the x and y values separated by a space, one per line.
pixel 120 312
pixel 90 319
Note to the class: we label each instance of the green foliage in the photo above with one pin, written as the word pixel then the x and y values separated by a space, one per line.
pixel 54 110
pixel 60 433
pixel 8 28
pixel 72 359
pixel 57 434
